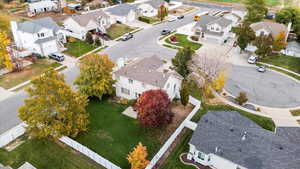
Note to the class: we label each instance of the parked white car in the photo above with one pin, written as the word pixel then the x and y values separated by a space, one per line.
pixel 172 18
pixel 252 59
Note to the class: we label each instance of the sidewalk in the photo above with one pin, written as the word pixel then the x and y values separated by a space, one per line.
pixel 4 93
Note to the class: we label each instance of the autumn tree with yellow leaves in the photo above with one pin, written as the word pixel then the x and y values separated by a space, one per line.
pixel 53 109
pixel 95 77
pixel 137 158
pixel 5 60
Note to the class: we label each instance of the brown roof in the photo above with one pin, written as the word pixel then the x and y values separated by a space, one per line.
pixel 146 70
pixel 273 27
pixel 84 19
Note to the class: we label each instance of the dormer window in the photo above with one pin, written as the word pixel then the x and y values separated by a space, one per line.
pixel 40 35
pixel 130 81
pixel 212 28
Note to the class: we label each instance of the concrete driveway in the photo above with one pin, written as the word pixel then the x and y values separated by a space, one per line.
pixel 269 89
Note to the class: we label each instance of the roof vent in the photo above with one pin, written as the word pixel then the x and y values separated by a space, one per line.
pixel 280 148
pixel 240 150
pixel 205 120
pixel 244 136
pixel 231 130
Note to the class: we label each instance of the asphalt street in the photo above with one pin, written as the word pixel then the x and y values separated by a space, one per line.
pixel 266 89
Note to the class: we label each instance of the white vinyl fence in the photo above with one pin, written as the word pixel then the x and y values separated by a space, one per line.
pixel 12 134
pixel 89 153
pixel 172 138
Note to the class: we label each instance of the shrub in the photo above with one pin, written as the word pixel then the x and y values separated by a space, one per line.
pixel 173 39
pixel 89 38
pixel 242 98
pixel 258 109
pixel 97 41
pixel 195 38
pixel 71 39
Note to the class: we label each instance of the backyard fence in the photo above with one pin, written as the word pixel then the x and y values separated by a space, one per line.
pixel 89 153
pixel 12 134
pixel 172 138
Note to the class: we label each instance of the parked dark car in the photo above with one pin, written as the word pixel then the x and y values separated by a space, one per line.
pixel 165 32
pixel 180 17
pixel 57 56
pixel 118 22
pixel 127 37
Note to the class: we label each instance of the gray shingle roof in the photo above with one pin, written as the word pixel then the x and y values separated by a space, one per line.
pixel 84 19
pixel 262 149
pixel 121 10
pixel 38 24
pixel 208 19
pixel 146 70
pixel 295 46
pixel 273 27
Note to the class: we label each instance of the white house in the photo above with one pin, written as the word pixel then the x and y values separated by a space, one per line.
pixel 213 28
pixel 150 8
pixel 144 74
pixel 78 25
pixel 42 36
pixel 268 28
pixel 123 13
pixel 228 140
pixel 41 6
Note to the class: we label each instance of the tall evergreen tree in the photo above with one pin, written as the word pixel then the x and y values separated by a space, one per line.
pixel 181 59
pixel 162 12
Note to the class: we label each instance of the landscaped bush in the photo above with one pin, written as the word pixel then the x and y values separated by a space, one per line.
pixel 173 39
pixel 242 98
pixel 195 38
pixel 147 19
pixel 71 39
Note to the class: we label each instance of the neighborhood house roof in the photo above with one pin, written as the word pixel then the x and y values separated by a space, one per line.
pixel 207 20
pixel 146 70
pixel 40 41
pixel 41 4
pixel 121 10
pixel 238 139
pixel 272 27
pixel 156 3
pixel 35 26
pixel 84 19
pixel 294 46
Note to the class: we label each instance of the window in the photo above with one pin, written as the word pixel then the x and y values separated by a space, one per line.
pixel 168 85
pixel 174 87
pixel 144 85
pixel 212 28
pixel 125 91
pixel 201 156
pixel 217 29
pixel 42 34
pixel 130 81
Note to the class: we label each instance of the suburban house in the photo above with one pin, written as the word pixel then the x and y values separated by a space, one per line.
pixel 268 28
pixel 213 28
pixel 150 8
pixel 41 6
pixel 42 36
pixel 228 140
pixel 144 74
pixel 78 25
pixel 123 13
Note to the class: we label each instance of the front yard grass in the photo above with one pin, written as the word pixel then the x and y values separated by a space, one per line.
pixel 270 3
pixel 117 30
pixel 287 62
pixel 78 48
pixel 46 154
pixel 10 80
pixel 182 41
pixel 295 112
pixel 113 135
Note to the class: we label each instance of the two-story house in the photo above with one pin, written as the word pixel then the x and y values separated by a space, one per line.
pixel 268 28
pixel 144 74
pixel 41 6
pixel 42 36
pixel 213 28
pixel 228 140
pixel 122 13
pixel 79 25
pixel 150 8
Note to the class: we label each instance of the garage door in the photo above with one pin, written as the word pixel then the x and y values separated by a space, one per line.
pixel 131 16
pixel 50 47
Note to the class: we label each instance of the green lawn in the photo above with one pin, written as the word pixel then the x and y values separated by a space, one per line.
pixel 12 79
pixel 113 135
pixel 288 62
pixel 184 42
pixel 295 112
pixel 45 154
pixel 117 30
pixel 78 48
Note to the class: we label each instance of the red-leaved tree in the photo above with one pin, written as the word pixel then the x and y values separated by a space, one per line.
pixel 154 107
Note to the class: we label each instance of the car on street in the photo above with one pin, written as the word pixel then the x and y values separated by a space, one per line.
pixel 180 17
pixel 57 56
pixel 127 37
pixel 261 69
pixel 252 59
pixel 165 32
pixel 172 19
